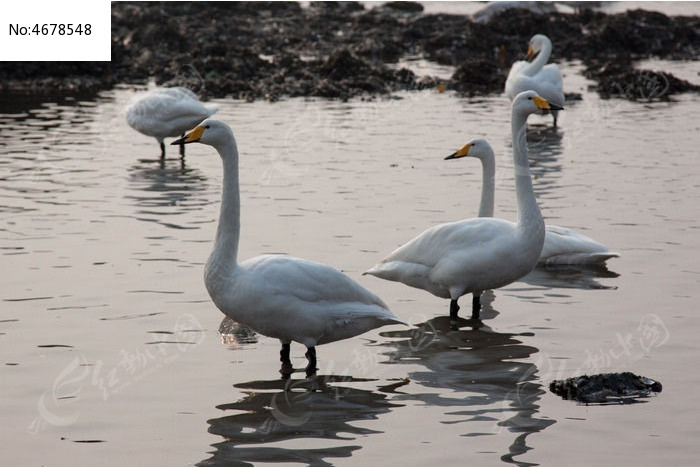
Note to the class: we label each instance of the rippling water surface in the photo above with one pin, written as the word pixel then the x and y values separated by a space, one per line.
pixel 113 354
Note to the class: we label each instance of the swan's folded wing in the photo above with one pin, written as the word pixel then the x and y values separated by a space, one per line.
pixel 550 73
pixel 299 279
pixel 432 259
pixel 442 240
pixel 513 75
pixel 566 246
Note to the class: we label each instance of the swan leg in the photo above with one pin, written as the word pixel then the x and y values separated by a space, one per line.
pixel 162 150
pixel 454 308
pixel 311 356
pixel 476 306
pixel 555 114
pixel 287 368
pixel 284 354
pixel 182 146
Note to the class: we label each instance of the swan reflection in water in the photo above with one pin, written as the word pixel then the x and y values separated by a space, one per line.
pixel 162 191
pixel 566 276
pixel 320 408
pixel 496 387
pixel 488 370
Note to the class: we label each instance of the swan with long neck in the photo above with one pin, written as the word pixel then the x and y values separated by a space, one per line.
pixel 536 75
pixel 470 256
pixel 279 296
pixel 561 245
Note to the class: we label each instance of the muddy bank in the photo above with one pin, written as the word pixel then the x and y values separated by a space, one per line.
pixel 342 50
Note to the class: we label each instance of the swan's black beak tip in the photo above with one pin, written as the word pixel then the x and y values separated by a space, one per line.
pixel 178 142
pixel 555 107
pixel 451 156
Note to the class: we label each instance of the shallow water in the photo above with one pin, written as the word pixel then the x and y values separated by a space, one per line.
pixel 111 347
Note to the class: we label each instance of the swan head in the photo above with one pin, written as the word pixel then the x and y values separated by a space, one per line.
pixel 529 102
pixel 479 148
pixel 210 132
pixel 538 42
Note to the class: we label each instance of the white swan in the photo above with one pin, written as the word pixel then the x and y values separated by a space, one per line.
pixel 167 112
pixel 279 296
pixel 561 245
pixel 470 256
pixel 536 75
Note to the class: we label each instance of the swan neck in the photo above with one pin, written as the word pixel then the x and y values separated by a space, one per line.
pixel 540 61
pixel 229 228
pixel 488 188
pixel 529 215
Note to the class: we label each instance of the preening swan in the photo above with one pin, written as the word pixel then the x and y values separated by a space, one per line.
pixel 167 112
pixel 470 256
pixel 279 296
pixel 536 75
pixel 561 245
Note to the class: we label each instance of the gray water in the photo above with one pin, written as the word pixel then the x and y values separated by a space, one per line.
pixel 111 348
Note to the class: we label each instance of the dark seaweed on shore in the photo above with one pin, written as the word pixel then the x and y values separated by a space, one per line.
pixel 270 50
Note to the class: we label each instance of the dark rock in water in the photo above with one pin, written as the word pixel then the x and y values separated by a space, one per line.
pixel 605 388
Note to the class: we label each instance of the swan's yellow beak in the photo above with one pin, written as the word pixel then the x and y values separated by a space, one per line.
pixel 531 52
pixel 191 137
pixel 461 153
pixel 544 104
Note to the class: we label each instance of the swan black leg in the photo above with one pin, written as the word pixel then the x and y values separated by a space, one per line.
pixel 454 309
pixel 311 356
pixel 284 354
pixel 287 368
pixel 476 306
pixel 182 146
pixel 162 150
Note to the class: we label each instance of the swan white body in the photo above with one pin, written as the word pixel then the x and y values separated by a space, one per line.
pixel 279 296
pixel 470 256
pixel 166 113
pixel 536 75
pixel 561 245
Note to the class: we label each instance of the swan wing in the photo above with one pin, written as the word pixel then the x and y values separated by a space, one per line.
pixel 550 74
pixel 308 302
pixel 515 71
pixel 547 82
pixel 551 91
pixel 305 281
pixel 566 246
pixel 443 257
pixel 167 112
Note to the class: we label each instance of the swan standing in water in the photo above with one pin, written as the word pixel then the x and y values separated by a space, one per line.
pixel 561 245
pixel 470 256
pixel 536 75
pixel 279 296
pixel 168 112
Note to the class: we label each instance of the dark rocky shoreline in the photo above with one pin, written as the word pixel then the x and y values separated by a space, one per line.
pixel 342 50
